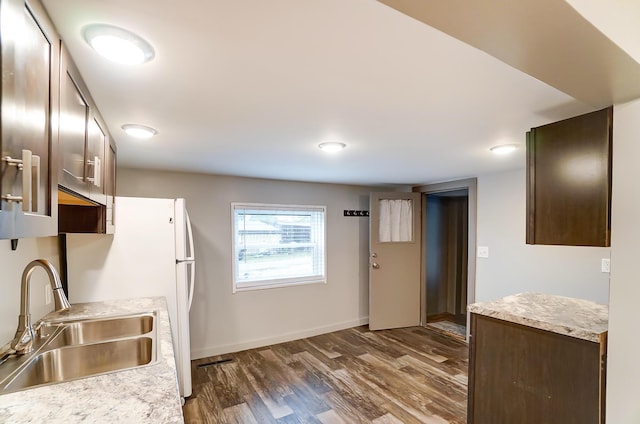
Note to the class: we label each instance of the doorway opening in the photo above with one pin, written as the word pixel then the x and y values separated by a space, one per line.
pixel 446 260
pixel 448 255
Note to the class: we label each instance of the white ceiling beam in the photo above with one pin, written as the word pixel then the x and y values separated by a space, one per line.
pixel 547 39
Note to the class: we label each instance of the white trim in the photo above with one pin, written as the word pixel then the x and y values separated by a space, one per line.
pixel 282 338
pixel 277 285
pixel 279 282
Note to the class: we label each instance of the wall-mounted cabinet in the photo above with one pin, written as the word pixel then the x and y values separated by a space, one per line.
pixel 83 136
pixel 569 181
pixel 29 137
pixel 87 159
pixel 53 142
pixel 80 215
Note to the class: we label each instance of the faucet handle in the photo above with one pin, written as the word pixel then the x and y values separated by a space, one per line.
pixel 23 341
pixel 41 329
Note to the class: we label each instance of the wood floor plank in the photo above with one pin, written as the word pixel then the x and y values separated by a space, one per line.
pixel 239 414
pixel 355 391
pixel 387 419
pixel 411 375
pixel 208 404
pixel 191 411
pixel 303 400
pixel 330 417
pixel 266 384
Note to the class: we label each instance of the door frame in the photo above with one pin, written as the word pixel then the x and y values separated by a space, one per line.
pixel 471 185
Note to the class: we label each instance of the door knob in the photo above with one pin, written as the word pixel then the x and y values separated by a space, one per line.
pixel 375 265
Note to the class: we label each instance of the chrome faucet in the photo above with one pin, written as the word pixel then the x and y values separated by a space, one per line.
pixel 23 341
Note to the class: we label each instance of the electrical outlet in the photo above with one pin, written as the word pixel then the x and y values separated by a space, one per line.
pixel 47 295
pixel 483 251
pixel 605 265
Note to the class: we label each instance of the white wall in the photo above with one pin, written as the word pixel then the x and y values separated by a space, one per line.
pixel 224 322
pixel 624 342
pixel 514 266
pixel 12 263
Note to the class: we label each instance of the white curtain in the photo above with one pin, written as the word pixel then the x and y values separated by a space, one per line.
pixel 396 220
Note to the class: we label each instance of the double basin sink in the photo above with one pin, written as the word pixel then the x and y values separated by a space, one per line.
pixel 73 349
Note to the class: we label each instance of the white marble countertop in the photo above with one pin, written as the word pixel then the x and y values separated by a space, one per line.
pixel 578 318
pixel 147 394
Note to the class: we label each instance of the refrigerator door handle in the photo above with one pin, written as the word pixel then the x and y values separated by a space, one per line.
pixel 192 282
pixel 192 257
pixel 189 236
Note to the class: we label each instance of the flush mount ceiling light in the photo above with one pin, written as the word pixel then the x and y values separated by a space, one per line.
pixel 504 149
pixel 117 44
pixel 332 146
pixel 139 131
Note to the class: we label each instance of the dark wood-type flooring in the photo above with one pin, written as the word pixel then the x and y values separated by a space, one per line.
pixel 411 375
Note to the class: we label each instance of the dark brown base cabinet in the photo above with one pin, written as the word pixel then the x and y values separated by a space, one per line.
pixel 520 374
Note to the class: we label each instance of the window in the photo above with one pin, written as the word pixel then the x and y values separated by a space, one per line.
pixel 277 245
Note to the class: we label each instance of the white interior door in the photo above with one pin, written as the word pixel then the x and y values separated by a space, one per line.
pixel 395 245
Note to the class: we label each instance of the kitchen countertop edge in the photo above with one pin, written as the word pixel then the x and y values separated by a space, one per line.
pixel 579 318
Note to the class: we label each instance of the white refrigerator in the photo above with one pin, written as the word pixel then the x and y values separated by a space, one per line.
pixel 150 254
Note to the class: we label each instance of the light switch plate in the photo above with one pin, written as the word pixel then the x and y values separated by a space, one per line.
pixel 605 265
pixel 483 251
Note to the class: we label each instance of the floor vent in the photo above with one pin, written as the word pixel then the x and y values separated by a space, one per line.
pixel 220 362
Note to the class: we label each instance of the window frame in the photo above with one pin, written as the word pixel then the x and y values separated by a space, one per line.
pixel 238 286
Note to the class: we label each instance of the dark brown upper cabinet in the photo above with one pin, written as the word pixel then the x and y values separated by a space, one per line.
pixel 569 181
pixel 87 158
pixel 28 133
pixel 83 137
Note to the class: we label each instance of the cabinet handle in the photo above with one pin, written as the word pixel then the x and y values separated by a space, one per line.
pixel 35 178
pixel 11 198
pixel 95 179
pixel 30 167
pixel 27 180
pixel 97 171
pixel 18 164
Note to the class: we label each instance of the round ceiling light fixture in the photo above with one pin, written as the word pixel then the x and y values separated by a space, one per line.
pixel 139 131
pixel 117 44
pixel 332 146
pixel 504 149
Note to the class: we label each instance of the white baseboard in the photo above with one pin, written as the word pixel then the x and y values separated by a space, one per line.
pixel 281 338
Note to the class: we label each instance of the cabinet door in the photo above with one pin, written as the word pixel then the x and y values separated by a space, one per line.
pixel 519 374
pixel 94 164
pixel 74 116
pixel 569 181
pixel 10 117
pixel 30 59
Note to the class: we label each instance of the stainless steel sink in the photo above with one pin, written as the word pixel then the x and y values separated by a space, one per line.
pixel 73 362
pixel 83 348
pixel 98 330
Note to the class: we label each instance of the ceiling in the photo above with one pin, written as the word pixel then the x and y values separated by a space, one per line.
pixel 250 88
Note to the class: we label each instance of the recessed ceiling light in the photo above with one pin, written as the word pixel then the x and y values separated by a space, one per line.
pixel 332 146
pixel 117 44
pixel 139 131
pixel 504 149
